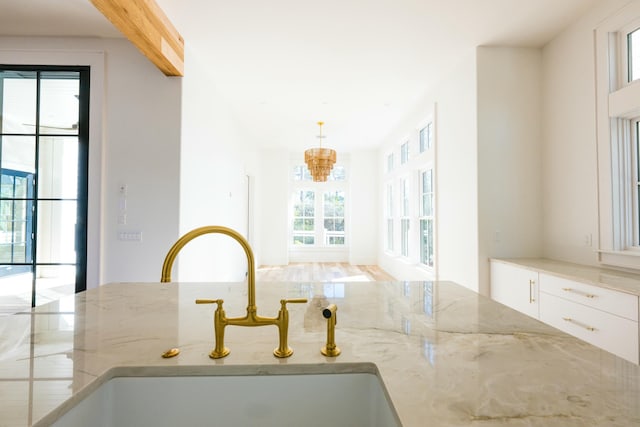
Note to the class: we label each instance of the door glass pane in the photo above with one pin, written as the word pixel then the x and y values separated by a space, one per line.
pixel 13 232
pixel 55 237
pixel 58 167
pixel 15 217
pixel 18 89
pixel 19 153
pixel 59 93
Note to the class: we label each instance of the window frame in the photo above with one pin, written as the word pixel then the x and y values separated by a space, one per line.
pixel 623 53
pixel 427 217
pixel 405 152
pixel 328 234
pixel 635 193
pixel 405 216
pixel 389 219
pixel 305 183
pixel 390 162
pixel 617 106
pixel 304 234
pixel 425 137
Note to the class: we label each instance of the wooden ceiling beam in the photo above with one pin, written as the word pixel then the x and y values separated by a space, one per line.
pixel 149 29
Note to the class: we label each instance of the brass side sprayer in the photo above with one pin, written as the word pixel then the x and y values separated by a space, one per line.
pixel 330 349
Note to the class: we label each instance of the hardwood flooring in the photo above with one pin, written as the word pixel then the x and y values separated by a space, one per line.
pixel 321 272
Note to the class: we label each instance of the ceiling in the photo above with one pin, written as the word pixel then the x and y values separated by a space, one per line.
pixel 283 65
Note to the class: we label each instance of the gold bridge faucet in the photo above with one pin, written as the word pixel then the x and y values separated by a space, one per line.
pixel 252 318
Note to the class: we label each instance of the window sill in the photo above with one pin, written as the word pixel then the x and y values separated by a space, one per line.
pixel 625 259
pixel 318 248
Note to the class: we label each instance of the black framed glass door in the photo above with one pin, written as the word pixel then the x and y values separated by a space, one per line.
pixel 44 129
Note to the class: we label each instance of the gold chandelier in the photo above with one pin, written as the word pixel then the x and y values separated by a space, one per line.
pixel 320 160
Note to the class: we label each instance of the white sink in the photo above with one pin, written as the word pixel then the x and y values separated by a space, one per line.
pixel 344 399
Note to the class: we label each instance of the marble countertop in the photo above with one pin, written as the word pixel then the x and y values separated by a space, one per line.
pixel 598 276
pixel 447 356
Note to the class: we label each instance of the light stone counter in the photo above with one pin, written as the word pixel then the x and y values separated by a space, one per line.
pixel 598 276
pixel 447 356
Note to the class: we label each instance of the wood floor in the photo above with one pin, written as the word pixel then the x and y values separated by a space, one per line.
pixel 321 272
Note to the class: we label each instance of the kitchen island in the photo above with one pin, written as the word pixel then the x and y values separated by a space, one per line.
pixel 447 356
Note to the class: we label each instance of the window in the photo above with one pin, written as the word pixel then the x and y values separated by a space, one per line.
pixel 304 217
pixel 390 162
pixel 633 55
pixel 404 153
pixel 405 220
pixel 389 215
pixel 408 217
pixel 618 103
pixel 636 193
pixel 318 209
pixel 334 217
pixel 311 224
pixel 301 173
pixel 426 137
pixel 426 218
pixel 338 173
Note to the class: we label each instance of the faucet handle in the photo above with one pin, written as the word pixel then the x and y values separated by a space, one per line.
pixel 292 301
pixel 210 301
pixel 282 321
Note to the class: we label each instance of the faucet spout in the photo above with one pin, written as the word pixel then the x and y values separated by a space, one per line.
pixel 215 229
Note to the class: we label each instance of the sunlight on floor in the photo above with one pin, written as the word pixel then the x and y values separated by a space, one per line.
pixel 15 290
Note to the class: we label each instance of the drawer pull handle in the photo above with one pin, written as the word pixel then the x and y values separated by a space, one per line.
pixel 531 298
pixel 582 325
pixel 584 294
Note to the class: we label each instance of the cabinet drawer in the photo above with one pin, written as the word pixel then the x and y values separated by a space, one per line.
pixel 607 331
pixel 618 303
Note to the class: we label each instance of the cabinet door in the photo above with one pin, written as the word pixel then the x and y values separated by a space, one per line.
pixel 515 287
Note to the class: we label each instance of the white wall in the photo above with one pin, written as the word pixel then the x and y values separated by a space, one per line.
pixel 509 155
pixel 569 157
pixel 134 140
pixel 272 194
pixel 457 174
pixel 364 207
pixel 455 181
pixel 215 161
pixel 141 150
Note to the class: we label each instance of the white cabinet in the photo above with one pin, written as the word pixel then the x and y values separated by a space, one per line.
pixel 516 287
pixel 605 318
